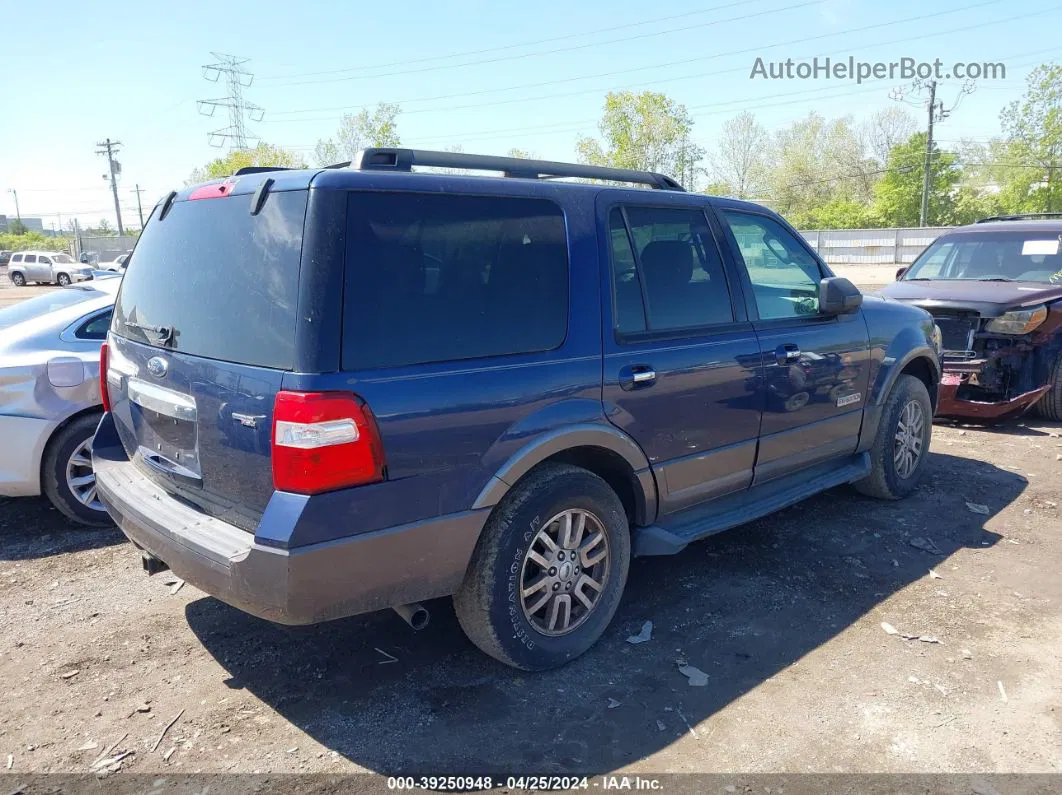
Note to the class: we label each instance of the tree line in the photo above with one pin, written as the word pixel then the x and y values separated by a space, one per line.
pixel 820 173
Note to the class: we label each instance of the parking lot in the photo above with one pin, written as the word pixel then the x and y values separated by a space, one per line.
pixel 842 634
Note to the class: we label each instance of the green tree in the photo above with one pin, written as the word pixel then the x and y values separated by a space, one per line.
pixel 16 227
pixel 646 131
pixel 898 196
pixel 262 155
pixel 741 157
pixel 1033 128
pixel 103 229
pixel 816 162
pixel 718 188
pixel 838 213
pixel 358 131
pixel 30 241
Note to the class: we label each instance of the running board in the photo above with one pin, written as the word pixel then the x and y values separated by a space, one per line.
pixel 671 535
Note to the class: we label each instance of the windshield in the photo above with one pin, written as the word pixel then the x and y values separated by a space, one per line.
pixel 62 258
pixel 43 304
pixel 992 256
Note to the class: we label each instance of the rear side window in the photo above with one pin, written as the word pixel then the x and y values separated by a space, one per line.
pixel 95 328
pixel 445 278
pixel 225 281
pixel 16 258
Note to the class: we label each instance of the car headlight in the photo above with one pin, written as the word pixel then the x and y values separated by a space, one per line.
pixel 1020 321
pixel 938 339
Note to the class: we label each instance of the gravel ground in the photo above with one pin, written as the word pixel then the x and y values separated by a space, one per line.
pixel 785 616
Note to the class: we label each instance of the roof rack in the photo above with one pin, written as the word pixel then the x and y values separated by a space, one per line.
pixel 1022 217
pixel 389 159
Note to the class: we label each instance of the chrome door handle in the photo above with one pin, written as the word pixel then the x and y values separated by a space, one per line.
pixel 644 376
pixel 787 354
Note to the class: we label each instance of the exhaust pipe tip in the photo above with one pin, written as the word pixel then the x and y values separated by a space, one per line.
pixel 415 614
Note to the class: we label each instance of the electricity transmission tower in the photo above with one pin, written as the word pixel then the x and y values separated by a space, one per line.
pixel 936 113
pixel 240 110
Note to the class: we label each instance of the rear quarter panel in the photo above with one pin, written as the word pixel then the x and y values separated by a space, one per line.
pixel 448 428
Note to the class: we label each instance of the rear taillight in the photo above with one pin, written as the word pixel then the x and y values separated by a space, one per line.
pixel 324 441
pixel 103 378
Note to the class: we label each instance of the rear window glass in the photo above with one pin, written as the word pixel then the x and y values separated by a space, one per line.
pixel 225 281
pixel 444 278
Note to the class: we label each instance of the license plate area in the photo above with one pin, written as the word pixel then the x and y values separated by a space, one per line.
pixel 166 426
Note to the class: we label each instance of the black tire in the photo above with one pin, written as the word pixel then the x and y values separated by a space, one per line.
pixel 63 280
pixel 18 279
pixel 488 603
pixel 61 448
pixel 1050 405
pixel 884 481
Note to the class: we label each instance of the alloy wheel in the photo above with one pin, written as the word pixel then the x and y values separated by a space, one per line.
pixel 80 478
pixel 907 450
pixel 564 572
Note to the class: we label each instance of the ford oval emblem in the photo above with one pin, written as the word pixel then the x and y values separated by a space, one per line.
pixel 158 366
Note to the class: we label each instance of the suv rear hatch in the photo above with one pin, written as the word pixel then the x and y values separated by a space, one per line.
pixel 203 332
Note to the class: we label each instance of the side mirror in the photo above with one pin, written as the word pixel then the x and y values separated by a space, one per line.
pixel 900 273
pixel 838 296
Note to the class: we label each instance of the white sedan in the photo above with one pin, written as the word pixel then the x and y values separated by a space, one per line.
pixel 116 265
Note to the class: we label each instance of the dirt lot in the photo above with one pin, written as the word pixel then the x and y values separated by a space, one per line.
pixel 785 616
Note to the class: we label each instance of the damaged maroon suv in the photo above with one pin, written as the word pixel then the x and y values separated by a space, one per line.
pixel 995 290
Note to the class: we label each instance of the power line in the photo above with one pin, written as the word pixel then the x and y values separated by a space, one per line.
pixel 518 56
pixel 236 78
pixel 464 53
pixel 713 56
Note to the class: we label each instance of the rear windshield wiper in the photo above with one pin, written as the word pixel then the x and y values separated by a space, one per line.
pixel 164 333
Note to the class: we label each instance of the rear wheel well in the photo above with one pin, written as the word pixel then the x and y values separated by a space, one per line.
pixel 610 467
pixel 920 368
pixel 62 425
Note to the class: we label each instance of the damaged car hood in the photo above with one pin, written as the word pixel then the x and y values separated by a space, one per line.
pixel 988 299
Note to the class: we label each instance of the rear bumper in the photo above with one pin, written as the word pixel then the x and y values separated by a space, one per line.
pixel 20 455
pixel 306 585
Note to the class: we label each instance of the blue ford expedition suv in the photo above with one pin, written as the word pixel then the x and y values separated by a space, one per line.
pixel 340 390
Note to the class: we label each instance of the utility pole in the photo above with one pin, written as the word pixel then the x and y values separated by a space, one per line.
pixel 18 213
pixel 108 148
pixel 932 106
pixel 140 210
pixel 936 113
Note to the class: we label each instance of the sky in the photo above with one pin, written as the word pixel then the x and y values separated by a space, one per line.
pixel 487 76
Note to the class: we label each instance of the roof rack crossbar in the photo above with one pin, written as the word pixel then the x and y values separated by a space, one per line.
pixel 391 159
pixel 1019 217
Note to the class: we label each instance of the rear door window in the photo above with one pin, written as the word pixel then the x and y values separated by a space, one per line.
pixel 224 281
pixel 446 278
pixel 669 256
pixel 31 258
